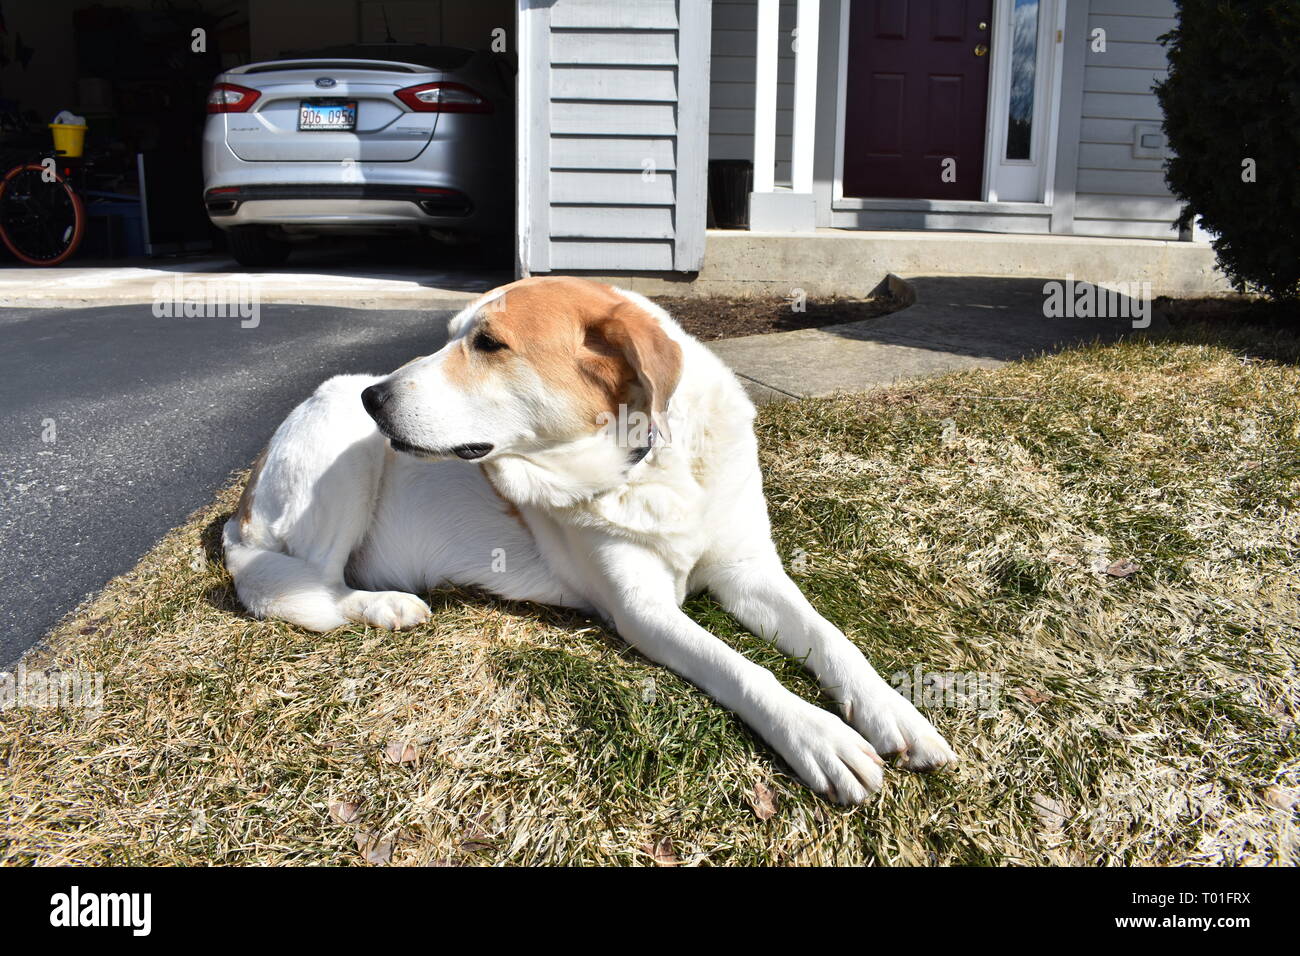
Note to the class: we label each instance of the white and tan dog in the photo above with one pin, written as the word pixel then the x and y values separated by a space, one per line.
pixel 366 497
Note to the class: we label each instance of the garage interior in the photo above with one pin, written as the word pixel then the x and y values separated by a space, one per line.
pixel 139 72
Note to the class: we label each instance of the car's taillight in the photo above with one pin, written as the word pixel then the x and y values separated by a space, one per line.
pixel 229 98
pixel 443 97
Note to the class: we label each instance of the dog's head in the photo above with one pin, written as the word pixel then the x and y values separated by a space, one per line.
pixel 531 366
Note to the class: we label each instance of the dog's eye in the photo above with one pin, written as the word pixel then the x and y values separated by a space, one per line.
pixel 485 343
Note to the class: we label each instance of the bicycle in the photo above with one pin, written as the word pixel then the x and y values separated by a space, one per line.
pixel 42 217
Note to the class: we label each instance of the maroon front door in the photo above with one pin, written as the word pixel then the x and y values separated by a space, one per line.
pixel 917 95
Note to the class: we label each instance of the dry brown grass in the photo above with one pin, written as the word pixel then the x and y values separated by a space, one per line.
pixel 964 525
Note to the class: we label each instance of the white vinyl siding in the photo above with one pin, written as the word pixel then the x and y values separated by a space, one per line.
pixel 620 99
pixel 1117 194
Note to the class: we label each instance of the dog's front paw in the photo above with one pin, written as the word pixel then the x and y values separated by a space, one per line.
pixel 827 754
pixel 394 610
pixel 891 723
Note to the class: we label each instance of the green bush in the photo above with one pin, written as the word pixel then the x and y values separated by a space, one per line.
pixel 1233 94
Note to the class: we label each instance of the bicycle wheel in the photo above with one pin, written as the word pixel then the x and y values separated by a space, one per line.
pixel 42 220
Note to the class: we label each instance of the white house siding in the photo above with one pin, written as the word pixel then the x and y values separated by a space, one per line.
pixel 625 88
pixel 1117 194
pixel 731 83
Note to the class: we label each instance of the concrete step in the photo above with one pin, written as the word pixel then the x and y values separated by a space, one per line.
pixel 851 262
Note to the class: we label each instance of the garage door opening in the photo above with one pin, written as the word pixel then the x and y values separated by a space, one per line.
pixel 368 135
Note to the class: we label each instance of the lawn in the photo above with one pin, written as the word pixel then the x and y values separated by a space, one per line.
pixel 1110 535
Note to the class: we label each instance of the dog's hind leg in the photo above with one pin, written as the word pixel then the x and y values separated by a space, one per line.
pixel 272 584
pixel 307 507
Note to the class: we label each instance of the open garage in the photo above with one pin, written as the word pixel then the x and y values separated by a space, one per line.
pixel 138 75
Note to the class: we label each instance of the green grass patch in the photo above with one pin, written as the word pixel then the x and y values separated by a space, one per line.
pixel 1110 532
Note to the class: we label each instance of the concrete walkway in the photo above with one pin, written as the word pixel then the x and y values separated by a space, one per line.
pixel 954 322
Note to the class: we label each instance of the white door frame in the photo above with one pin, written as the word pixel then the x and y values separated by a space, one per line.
pixel 1025 180
pixel 1047 110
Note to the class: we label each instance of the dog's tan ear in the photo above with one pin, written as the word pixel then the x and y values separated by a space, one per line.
pixel 654 358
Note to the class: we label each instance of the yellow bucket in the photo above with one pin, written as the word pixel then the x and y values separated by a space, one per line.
pixel 69 139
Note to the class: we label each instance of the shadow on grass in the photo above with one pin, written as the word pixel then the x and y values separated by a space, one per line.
pixel 222 598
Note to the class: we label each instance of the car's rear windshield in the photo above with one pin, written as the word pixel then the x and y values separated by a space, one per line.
pixel 433 57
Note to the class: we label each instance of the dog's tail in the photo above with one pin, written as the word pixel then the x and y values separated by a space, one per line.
pixel 275 584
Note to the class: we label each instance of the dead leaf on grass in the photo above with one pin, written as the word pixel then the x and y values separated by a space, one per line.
pixel 1281 797
pixel 1032 695
pixel 474 842
pixel 343 812
pixel 398 751
pixel 661 851
pixel 763 802
pixel 374 848
pixel 1122 569
pixel 1050 811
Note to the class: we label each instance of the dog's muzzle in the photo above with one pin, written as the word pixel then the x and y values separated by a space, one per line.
pixel 376 397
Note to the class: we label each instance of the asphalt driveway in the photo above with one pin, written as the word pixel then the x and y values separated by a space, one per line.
pixel 116 424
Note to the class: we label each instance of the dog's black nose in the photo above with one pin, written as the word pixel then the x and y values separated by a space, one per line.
pixel 373 399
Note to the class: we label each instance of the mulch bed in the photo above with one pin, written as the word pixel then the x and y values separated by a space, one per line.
pixel 1236 309
pixel 1255 327
pixel 714 317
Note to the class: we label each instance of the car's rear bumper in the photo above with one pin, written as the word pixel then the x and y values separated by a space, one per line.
pixel 459 183
pixel 336 204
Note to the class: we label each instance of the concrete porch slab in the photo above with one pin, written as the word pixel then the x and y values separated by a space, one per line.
pixel 850 262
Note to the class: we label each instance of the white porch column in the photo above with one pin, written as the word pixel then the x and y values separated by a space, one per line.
pixel 772 209
pixel 805 97
pixel 765 95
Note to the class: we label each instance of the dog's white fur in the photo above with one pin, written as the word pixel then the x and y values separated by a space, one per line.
pixel 336 526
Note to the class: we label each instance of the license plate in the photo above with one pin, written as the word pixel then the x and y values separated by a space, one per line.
pixel 327 114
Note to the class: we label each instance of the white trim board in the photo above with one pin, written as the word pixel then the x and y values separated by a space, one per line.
pixel 532 142
pixel 1007 208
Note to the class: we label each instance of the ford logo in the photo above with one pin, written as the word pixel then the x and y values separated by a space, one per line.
pixel 325 82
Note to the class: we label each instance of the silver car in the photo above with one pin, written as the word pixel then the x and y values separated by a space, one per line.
pixel 361 140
